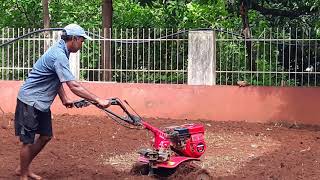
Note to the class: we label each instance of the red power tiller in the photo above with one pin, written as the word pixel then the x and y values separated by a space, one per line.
pixel 171 147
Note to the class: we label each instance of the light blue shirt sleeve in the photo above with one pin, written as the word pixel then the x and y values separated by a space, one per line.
pixel 62 69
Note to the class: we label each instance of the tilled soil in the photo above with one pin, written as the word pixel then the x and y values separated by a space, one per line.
pixel 95 147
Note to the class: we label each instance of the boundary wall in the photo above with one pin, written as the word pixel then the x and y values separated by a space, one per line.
pixel 217 103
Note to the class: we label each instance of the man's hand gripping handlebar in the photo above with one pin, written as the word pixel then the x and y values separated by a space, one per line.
pixel 81 103
pixel 84 103
pixel 128 118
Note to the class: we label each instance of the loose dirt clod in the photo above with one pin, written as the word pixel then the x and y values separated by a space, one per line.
pixel 4 121
pixel 139 169
pixel 190 171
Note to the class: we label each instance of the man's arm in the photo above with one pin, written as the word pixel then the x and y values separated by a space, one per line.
pixel 64 98
pixel 79 90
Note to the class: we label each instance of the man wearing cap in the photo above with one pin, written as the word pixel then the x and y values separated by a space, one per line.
pixel 44 82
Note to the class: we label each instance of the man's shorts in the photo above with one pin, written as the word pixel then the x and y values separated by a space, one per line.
pixel 30 121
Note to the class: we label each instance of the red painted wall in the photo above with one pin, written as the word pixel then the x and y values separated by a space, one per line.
pixel 221 103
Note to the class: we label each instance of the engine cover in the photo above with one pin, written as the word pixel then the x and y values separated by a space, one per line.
pixel 188 139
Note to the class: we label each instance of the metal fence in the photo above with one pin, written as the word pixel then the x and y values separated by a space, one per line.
pixel 273 57
pixel 131 55
pixel 270 57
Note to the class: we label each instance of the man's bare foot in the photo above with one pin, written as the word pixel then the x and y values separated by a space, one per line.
pixel 30 174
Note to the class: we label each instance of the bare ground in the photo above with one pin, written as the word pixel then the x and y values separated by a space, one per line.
pixel 89 147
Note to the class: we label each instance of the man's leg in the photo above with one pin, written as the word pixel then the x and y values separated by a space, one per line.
pixel 28 122
pixel 27 154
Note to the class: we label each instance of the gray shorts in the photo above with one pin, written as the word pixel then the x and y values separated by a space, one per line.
pixel 30 121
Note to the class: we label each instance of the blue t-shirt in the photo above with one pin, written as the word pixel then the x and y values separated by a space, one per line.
pixel 48 73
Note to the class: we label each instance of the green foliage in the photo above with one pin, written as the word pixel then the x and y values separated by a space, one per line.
pixel 173 14
pixel 84 12
pixel 28 13
pixel 286 14
pixel 157 14
pixel 130 14
pixel 20 13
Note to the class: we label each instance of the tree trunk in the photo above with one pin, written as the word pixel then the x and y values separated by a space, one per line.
pixel 247 35
pixel 46 21
pixel 106 44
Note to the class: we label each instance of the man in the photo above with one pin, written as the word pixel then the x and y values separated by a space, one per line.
pixel 45 81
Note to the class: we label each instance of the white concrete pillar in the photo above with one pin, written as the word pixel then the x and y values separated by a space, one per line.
pixel 202 58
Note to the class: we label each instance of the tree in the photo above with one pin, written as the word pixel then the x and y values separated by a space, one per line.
pixel 46 16
pixel 46 20
pixel 106 25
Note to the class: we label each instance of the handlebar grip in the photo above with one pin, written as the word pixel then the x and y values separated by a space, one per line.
pixel 81 103
pixel 84 103
pixel 113 101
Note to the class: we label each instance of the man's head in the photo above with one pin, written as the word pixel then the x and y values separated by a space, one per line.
pixel 74 36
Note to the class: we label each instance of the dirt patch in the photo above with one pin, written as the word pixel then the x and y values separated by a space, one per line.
pixel 89 147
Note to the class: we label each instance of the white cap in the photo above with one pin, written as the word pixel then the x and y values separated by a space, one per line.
pixel 76 30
